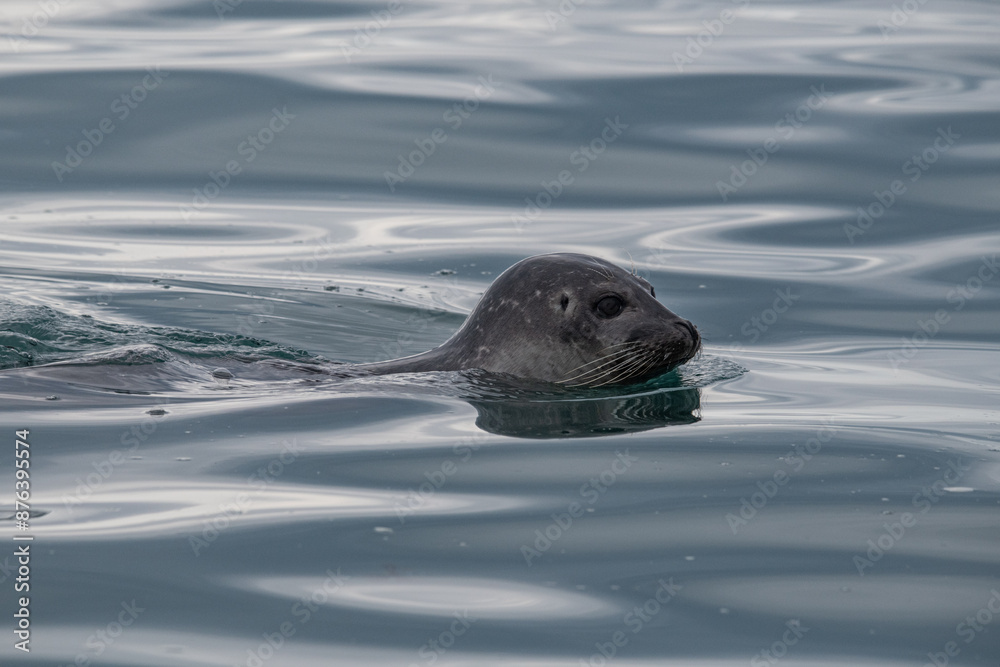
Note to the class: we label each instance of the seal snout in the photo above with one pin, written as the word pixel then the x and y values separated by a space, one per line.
pixel 685 324
pixel 693 333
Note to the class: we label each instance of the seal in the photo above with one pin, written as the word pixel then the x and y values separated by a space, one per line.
pixel 565 318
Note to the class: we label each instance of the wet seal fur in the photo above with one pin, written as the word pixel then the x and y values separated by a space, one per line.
pixel 566 318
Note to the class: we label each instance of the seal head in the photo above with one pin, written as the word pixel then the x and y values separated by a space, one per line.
pixel 567 318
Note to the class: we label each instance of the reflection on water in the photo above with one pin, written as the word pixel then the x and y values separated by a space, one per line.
pixel 212 208
pixel 587 417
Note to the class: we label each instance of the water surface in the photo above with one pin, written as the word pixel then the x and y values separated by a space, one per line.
pixel 201 202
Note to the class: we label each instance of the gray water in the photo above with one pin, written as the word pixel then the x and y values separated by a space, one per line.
pixel 203 202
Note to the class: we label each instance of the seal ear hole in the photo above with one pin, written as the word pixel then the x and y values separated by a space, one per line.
pixel 564 302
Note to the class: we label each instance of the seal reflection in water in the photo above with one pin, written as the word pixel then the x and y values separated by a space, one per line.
pixel 566 318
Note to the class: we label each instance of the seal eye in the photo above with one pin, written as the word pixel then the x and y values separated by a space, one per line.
pixel 652 291
pixel 564 301
pixel 609 306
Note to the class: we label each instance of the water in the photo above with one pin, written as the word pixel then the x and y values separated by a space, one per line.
pixel 204 202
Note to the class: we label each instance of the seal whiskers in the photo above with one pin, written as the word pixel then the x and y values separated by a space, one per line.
pixel 601 358
pixel 614 358
pixel 626 369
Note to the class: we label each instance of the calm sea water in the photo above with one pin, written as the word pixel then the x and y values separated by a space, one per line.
pixel 201 200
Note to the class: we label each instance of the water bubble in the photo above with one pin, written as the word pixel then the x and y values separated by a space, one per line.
pixel 222 376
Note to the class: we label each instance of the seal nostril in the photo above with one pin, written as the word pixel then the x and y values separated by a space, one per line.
pixel 695 337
